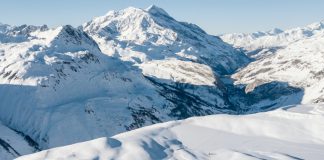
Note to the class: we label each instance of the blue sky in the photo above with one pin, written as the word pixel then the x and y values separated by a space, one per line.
pixel 214 16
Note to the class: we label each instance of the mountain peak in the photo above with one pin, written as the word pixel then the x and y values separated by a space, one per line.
pixel 3 27
pixel 275 31
pixel 316 26
pixel 131 9
pixel 68 29
pixel 68 38
pixel 153 9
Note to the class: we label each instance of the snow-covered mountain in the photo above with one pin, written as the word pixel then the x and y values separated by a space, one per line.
pixel 58 83
pixel 17 33
pixel 290 133
pixel 163 48
pixel 295 56
pixel 136 67
pixel 59 78
pixel 145 35
pixel 264 43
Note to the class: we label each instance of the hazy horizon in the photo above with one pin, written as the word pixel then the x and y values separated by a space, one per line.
pixel 215 17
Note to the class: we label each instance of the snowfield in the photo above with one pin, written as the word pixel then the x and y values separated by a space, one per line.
pixel 290 133
pixel 180 71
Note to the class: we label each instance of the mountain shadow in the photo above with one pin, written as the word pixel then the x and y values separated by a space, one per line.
pixel 236 100
pixel 264 97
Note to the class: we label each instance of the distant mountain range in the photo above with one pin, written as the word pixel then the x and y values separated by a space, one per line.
pixel 294 56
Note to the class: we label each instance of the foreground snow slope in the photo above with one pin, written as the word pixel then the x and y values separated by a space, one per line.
pixel 290 133
pixel 14 144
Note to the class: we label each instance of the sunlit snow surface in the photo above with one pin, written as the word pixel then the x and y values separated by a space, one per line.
pixel 290 133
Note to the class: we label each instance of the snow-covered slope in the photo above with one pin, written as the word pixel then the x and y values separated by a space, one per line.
pixel 180 71
pixel 290 133
pixel 14 144
pixel 300 64
pixel 295 56
pixel 59 79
